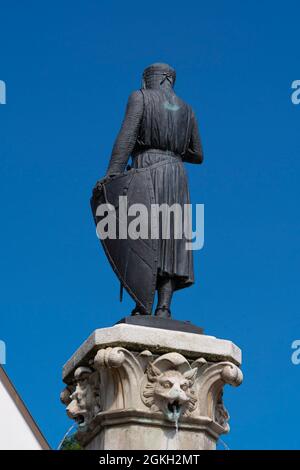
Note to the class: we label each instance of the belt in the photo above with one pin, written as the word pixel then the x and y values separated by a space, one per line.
pixel 164 152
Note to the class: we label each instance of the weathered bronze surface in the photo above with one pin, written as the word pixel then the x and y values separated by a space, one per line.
pixel 159 132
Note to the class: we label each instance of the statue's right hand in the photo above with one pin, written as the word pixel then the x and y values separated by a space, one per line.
pixel 101 181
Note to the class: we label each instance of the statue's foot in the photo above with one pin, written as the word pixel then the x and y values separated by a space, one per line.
pixel 138 311
pixel 163 312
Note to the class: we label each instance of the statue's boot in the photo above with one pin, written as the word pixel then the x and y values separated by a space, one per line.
pixel 138 311
pixel 165 291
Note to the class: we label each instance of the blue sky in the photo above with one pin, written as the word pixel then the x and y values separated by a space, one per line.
pixel 69 67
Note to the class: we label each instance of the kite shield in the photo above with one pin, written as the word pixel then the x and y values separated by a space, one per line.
pixel 133 260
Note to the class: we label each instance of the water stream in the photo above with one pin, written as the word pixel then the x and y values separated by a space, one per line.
pixel 66 435
pixel 220 441
pixel 172 441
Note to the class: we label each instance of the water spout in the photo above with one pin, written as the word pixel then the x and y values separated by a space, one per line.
pixel 174 411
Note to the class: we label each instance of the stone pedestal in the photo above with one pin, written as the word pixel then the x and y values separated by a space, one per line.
pixel 137 387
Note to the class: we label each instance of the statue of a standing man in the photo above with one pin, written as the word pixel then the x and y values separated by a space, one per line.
pixel 159 132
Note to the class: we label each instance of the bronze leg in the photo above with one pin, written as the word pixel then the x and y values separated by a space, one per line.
pixel 165 289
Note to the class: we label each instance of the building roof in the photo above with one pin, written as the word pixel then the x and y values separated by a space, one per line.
pixel 8 385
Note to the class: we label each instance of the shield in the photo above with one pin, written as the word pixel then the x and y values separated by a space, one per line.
pixel 133 260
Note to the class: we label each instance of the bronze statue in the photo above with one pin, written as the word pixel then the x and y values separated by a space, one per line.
pixel 159 132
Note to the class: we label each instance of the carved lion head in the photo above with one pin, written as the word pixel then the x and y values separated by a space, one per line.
pixel 169 388
pixel 83 401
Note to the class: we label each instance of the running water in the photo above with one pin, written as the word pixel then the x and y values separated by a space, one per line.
pixel 223 444
pixel 66 435
pixel 174 439
pixel 176 433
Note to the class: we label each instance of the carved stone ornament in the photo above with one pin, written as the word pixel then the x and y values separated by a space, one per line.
pixel 221 414
pixel 138 387
pixel 83 396
pixel 169 386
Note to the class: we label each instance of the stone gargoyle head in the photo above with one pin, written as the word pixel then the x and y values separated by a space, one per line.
pixel 83 400
pixel 168 386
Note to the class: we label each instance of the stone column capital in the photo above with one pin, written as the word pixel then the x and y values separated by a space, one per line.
pixel 144 379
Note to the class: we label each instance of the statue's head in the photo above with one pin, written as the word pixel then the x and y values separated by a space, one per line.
pixel 159 75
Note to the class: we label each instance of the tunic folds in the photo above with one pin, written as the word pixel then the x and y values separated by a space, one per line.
pixel 159 127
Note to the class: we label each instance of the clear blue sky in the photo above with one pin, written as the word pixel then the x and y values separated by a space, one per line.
pixel 69 67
